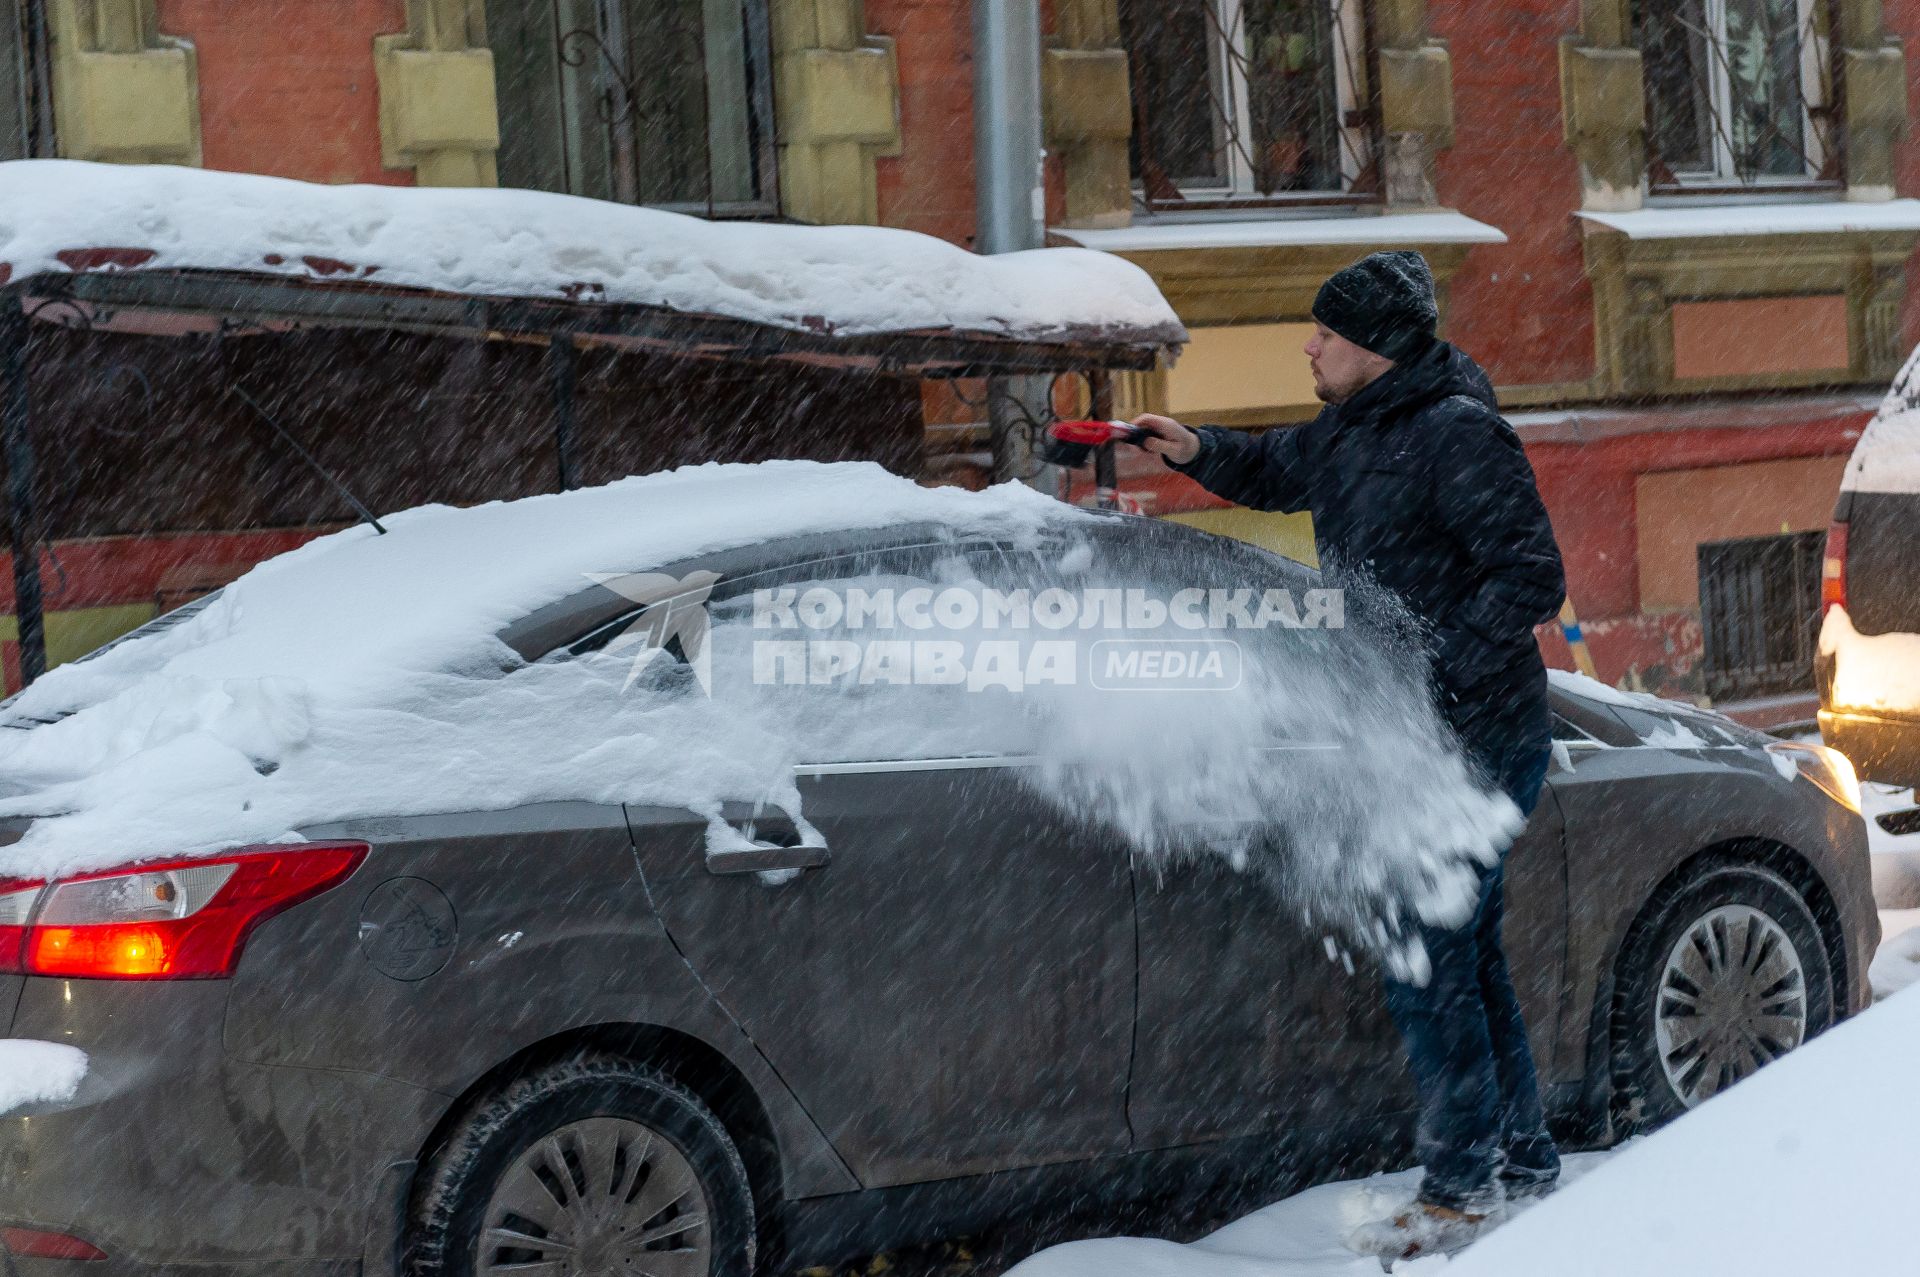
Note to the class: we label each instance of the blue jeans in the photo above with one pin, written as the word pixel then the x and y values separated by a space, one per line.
pixel 1481 1119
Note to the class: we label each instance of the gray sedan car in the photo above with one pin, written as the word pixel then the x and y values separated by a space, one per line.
pixel 577 1038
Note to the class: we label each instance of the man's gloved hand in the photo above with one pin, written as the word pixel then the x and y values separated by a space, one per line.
pixel 1168 438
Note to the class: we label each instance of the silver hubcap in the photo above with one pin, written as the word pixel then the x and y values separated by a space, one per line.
pixel 603 1197
pixel 1733 996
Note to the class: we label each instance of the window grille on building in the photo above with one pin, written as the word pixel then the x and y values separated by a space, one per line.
pixel 1739 93
pixel 1248 102
pixel 1760 614
pixel 660 102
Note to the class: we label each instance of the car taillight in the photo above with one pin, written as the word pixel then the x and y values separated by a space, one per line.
pixel 38 1243
pixel 1833 569
pixel 178 920
pixel 17 898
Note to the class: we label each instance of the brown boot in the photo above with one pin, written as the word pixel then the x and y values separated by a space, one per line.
pixel 1424 1228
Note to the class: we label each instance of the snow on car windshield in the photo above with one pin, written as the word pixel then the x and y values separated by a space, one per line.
pixel 363 675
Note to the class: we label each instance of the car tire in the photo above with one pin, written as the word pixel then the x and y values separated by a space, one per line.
pixel 1725 970
pixel 591 1153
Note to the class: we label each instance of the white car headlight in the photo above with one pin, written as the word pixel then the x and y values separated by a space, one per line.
pixel 1825 767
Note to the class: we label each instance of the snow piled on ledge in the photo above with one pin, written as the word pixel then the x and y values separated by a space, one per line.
pixel 68 215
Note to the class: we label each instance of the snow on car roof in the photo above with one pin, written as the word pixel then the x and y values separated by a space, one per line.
pixel 69 216
pixel 361 613
pixel 1887 458
pixel 275 705
pixel 367 676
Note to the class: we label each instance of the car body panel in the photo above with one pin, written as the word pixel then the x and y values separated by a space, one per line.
pixel 1249 1024
pixel 951 994
pixel 1636 814
pixel 547 898
pixel 1882 746
pixel 189 1155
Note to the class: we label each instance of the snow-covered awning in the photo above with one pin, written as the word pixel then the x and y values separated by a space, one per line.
pixel 170 250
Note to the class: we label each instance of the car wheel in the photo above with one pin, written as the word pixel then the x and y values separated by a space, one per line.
pixel 1725 972
pixel 597 1165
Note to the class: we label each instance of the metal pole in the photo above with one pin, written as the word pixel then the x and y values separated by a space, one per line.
pixel 561 361
pixel 1010 198
pixel 18 445
pixel 1106 482
pixel 1006 126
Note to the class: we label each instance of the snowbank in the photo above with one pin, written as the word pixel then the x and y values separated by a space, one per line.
pixel 1896 964
pixel 38 1072
pixel 1303 1236
pixel 1806 1167
pixel 64 215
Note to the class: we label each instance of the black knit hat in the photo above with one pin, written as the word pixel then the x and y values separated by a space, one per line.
pixel 1383 303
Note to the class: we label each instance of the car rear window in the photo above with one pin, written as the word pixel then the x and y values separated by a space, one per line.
pixel 1883 561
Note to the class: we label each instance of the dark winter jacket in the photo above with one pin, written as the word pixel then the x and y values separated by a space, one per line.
pixel 1419 482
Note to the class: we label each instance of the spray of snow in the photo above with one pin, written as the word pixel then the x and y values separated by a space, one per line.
pixel 361 675
pixel 1328 774
pixel 38 1072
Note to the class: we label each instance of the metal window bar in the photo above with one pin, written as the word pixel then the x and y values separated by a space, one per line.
pixel 1239 80
pixel 635 109
pixel 1738 156
pixel 1759 614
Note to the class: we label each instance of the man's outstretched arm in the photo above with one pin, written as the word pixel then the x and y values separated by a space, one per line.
pixel 1261 472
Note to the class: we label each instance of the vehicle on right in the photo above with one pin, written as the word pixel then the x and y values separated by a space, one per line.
pixel 1868 663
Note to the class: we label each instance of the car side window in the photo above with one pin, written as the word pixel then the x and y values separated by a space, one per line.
pixel 1567 733
pixel 874 656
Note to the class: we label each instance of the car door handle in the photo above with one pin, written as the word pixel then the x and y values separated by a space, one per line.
pixel 765 857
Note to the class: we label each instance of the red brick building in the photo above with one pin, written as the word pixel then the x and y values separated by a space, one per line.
pixel 1675 231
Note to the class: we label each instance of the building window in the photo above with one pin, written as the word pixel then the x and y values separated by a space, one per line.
pixel 1241 103
pixel 1739 93
pixel 660 102
pixel 1760 614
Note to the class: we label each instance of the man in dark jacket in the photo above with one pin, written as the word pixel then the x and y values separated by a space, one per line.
pixel 1413 478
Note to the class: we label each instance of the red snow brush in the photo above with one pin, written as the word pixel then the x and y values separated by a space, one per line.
pixel 1069 443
